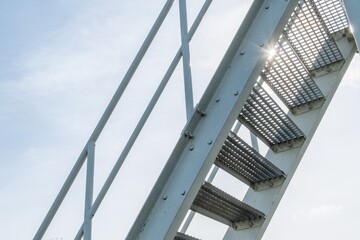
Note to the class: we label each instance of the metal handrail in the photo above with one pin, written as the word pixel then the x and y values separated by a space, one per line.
pixel 103 120
pixel 88 151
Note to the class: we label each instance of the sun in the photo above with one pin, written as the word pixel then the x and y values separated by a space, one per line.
pixel 272 52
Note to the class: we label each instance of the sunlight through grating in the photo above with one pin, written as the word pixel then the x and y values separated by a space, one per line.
pixel 289 78
pixel 308 35
pixel 264 117
pixel 332 13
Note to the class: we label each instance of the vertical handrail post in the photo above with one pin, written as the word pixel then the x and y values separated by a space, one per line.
pixel 185 49
pixel 89 189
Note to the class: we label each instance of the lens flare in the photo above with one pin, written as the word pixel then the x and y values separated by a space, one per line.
pixel 272 53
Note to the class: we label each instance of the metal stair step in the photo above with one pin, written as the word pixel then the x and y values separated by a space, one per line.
pixel 246 164
pixel 220 206
pixel 181 236
pixel 290 80
pixel 332 14
pixel 310 37
pixel 269 122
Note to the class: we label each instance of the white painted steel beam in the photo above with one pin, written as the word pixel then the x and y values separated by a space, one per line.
pixel 268 200
pixel 191 214
pixel 352 9
pixel 196 150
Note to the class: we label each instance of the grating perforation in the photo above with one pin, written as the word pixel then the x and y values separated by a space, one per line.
pixel 258 170
pixel 225 160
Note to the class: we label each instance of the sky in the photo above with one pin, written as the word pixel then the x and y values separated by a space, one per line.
pixel 60 63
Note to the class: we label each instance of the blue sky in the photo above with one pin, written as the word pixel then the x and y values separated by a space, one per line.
pixel 61 61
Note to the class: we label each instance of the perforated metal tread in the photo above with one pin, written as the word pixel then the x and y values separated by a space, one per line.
pixel 291 81
pixel 181 236
pixel 310 37
pixel 246 164
pixel 220 206
pixel 269 122
pixel 333 14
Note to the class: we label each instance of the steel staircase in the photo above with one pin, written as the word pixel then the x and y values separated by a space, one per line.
pixel 276 80
pixel 304 52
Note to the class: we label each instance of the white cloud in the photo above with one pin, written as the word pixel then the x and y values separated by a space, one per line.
pixel 72 73
pixel 298 214
pixel 325 211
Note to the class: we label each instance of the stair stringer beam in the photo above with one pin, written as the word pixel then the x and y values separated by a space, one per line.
pixel 352 8
pixel 203 136
pixel 288 161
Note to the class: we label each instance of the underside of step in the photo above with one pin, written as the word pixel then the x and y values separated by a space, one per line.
pixel 291 81
pixel 310 36
pixel 246 164
pixel 181 236
pixel 263 116
pixel 305 50
pixel 220 206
